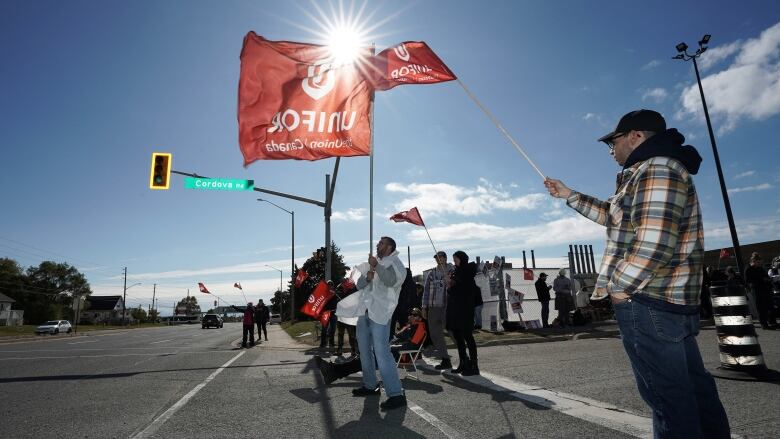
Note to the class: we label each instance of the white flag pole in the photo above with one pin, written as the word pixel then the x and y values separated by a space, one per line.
pixel 371 173
pixel 501 128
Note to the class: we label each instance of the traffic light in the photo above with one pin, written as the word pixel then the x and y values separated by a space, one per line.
pixel 160 174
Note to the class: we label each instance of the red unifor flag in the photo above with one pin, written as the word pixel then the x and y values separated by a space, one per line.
pixel 317 300
pixel 411 62
pixel 325 318
pixel 410 216
pixel 295 103
pixel 528 274
pixel 203 288
pixel 300 277
pixel 725 253
pixel 238 285
pixel 347 285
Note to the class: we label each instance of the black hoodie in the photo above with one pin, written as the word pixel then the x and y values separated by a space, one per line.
pixel 666 144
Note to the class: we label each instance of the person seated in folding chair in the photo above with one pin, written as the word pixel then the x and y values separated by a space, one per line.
pixel 408 338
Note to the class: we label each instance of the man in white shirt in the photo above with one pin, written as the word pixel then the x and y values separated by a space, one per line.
pixel 379 289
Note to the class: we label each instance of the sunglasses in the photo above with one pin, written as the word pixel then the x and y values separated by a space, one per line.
pixel 611 142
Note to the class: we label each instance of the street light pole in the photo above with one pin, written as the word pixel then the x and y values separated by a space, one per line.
pixel 292 256
pixel 280 277
pixel 682 48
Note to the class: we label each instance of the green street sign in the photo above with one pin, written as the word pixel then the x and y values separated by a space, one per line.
pixel 219 184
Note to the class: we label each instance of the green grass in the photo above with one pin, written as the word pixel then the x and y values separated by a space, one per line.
pixel 6 331
pixel 298 328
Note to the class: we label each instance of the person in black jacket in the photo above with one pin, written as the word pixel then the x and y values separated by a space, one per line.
pixel 262 314
pixel 757 279
pixel 461 295
pixel 543 294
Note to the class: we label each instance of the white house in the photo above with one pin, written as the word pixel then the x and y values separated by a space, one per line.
pixel 8 316
pixel 102 309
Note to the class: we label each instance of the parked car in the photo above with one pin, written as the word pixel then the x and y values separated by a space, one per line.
pixel 210 320
pixel 54 327
pixel 275 318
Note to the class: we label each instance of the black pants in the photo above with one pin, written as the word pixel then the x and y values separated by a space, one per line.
pixel 249 329
pixel 545 313
pixel 463 338
pixel 261 326
pixel 327 334
pixel 766 309
pixel 341 327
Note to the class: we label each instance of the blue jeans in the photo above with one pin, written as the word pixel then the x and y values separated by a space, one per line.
pixel 669 372
pixel 374 340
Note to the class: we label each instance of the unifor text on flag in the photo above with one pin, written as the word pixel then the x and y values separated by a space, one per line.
pixel 294 102
pixel 411 62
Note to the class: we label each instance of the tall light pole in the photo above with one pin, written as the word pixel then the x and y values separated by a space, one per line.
pixel 682 54
pixel 292 256
pixel 280 277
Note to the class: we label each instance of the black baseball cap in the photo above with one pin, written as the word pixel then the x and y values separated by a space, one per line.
pixel 639 120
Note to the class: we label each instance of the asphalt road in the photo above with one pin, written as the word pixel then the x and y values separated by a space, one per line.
pixel 178 382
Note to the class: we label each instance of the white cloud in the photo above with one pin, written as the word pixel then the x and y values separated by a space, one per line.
pixel 760 187
pixel 350 215
pixel 556 232
pixel 748 89
pixel 589 116
pixel 749 230
pixel 652 64
pixel 717 54
pixel 656 95
pixel 446 199
pixel 744 174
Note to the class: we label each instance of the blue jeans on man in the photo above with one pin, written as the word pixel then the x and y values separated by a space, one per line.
pixel 669 371
pixel 374 345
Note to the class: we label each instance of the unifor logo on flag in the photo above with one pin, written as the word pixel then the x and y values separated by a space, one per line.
pixel 317 300
pixel 411 62
pixel 300 277
pixel 410 216
pixel 203 288
pixel 325 318
pixel 294 102
pixel 528 274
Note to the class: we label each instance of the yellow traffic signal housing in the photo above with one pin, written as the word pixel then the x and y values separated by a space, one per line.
pixel 160 175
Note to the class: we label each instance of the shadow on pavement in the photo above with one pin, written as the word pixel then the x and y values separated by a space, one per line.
pixel 128 374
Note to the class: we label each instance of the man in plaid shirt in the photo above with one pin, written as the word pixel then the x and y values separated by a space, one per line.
pixel 652 271
pixel 434 303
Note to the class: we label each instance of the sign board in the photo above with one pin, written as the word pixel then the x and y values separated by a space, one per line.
pixel 219 184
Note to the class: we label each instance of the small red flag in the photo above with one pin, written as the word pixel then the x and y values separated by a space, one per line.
pixel 317 300
pixel 410 216
pixel 528 274
pixel 725 253
pixel 300 277
pixel 411 62
pixel 238 285
pixel 347 285
pixel 203 288
pixel 295 102
pixel 325 318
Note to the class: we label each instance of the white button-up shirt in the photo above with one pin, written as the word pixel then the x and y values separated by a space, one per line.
pixel 380 296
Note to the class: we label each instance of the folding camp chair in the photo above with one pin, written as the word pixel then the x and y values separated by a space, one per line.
pixel 413 354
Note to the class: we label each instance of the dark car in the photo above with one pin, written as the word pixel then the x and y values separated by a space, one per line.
pixel 210 320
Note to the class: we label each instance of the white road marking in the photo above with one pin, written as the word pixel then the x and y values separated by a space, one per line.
pixel 433 420
pixel 161 341
pixel 157 423
pixel 88 341
pixel 590 410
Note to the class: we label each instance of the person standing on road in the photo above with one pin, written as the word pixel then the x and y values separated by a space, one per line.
pixel 652 271
pixel 377 297
pixel 434 304
pixel 248 324
pixel 760 284
pixel 462 291
pixel 262 314
pixel 543 295
pixel 564 301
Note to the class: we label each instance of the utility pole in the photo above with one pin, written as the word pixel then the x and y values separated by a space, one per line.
pixel 124 297
pixel 154 291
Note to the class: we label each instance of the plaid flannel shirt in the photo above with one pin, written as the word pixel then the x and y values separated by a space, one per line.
pixel 435 290
pixel 655 239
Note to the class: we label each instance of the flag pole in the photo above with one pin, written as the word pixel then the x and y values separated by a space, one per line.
pixel 371 172
pixel 501 128
pixel 242 293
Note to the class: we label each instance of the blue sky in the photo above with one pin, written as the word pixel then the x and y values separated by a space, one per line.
pixel 88 90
